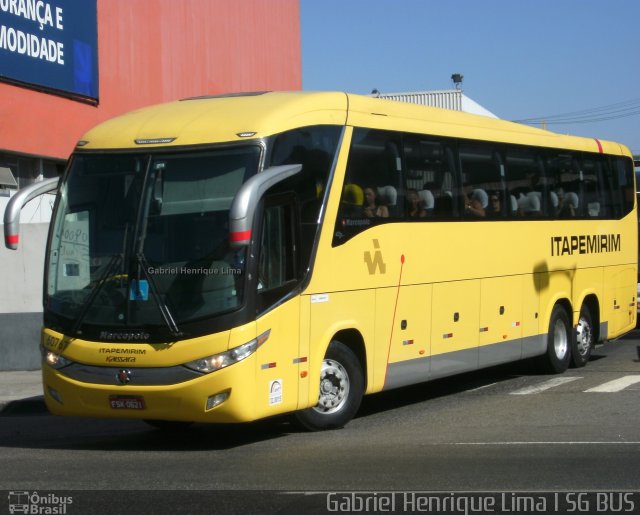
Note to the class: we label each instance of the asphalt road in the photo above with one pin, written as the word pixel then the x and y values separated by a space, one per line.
pixel 507 429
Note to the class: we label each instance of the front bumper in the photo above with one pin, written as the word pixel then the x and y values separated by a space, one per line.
pixel 183 401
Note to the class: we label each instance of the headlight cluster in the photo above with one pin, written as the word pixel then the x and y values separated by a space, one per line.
pixel 205 365
pixel 224 359
pixel 55 360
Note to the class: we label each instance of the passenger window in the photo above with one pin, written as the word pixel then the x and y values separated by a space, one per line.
pixel 417 177
pixel 594 195
pixel 565 176
pixel 315 149
pixel 526 185
pixel 620 181
pixel 373 191
pixel 483 182
pixel 429 178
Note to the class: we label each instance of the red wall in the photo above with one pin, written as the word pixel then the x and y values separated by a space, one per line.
pixel 151 51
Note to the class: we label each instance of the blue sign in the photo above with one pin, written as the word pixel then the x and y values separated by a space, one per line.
pixel 139 290
pixel 52 44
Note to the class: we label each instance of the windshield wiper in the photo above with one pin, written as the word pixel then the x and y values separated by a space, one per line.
pixel 139 236
pixel 168 318
pixel 115 259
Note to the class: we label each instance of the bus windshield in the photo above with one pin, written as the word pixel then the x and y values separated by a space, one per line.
pixel 142 240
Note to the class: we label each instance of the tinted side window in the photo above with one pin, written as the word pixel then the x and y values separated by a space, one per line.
pixel 278 270
pixel 314 148
pixel 483 181
pixel 276 265
pixel 430 178
pixel 563 173
pixel 595 194
pixel 621 179
pixel 373 191
pixel 392 177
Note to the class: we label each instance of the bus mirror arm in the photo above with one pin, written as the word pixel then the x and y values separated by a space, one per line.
pixel 15 205
pixel 246 200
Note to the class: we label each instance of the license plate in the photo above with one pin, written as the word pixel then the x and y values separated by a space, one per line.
pixel 126 402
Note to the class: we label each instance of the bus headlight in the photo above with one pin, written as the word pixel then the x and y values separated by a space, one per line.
pixel 224 359
pixel 55 360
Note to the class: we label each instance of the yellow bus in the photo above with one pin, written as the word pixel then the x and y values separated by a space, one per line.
pixel 224 259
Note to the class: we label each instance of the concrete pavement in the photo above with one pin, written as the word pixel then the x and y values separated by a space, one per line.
pixel 20 387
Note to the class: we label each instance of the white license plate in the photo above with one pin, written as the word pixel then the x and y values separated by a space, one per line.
pixel 126 402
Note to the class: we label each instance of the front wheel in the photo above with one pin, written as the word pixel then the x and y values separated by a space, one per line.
pixel 559 342
pixel 584 340
pixel 341 390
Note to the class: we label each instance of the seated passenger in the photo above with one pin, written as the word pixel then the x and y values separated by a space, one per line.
pixel 529 204
pixel 374 207
pixel 476 203
pixel 351 201
pixel 567 204
pixel 513 205
pixel 494 209
pixel 427 200
pixel 414 205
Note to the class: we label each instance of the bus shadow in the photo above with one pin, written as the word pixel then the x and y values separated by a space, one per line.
pixel 444 387
pixel 83 434
pixel 61 433
pixel 452 385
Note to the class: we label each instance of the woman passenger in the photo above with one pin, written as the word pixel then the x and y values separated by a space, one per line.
pixel 494 209
pixel 373 205
pixel 414 205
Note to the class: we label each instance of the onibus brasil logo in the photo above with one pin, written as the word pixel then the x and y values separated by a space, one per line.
pixel 40 504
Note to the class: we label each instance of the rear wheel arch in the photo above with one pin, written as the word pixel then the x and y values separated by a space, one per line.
pixel 592 303
pixel 564 302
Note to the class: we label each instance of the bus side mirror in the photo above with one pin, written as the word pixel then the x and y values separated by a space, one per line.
pixel 246 200
pixel 15 205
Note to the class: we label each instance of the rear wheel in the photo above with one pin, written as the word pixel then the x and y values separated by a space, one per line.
pixel 584 339
pixel 341 390
pixel 559 342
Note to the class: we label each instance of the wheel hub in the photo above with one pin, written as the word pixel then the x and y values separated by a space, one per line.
pixel 334 387
pixel 584 337
pixel 560 342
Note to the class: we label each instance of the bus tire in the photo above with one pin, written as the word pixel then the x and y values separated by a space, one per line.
pixel 559 342
pixel 341 391
pixel 583 341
